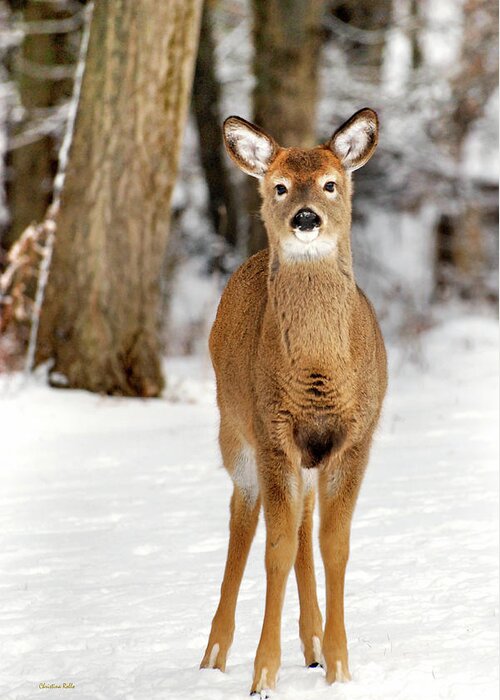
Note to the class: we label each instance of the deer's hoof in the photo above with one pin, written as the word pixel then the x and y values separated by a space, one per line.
pixel 215 657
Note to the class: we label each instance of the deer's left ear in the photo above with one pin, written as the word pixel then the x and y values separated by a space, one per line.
pixel 355 141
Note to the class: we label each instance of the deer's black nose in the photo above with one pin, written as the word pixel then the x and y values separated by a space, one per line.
pixel 306 220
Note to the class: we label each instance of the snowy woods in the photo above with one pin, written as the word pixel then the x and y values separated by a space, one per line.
pixel 121 221
pixel 425 211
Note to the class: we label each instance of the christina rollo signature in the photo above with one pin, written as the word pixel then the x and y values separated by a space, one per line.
pixel 56 685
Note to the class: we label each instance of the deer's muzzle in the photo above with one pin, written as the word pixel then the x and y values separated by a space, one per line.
pixel 305 220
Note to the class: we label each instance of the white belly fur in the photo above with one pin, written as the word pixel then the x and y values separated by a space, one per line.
pixel 309 479
pixel 245 474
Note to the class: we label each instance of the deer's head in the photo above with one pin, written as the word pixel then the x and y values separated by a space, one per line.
pixel 306 193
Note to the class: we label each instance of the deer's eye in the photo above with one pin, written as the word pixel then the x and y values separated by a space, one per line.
pixel 280 190
pixel 329 186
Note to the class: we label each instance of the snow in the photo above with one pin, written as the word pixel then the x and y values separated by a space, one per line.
pixel 114 528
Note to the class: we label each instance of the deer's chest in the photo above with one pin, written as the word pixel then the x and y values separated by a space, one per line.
pixel 319 409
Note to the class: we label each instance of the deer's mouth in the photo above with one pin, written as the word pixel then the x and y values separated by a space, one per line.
pixel 305 225
pixel 306 236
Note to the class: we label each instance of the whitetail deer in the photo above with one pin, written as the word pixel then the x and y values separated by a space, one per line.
pixel 301 375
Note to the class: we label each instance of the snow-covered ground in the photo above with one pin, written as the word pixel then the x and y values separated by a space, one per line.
pixel 113 527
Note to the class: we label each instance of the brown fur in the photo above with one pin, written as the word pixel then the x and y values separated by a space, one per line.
pixel 301 375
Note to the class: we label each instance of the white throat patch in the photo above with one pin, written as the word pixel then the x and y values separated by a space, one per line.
pixel 302 248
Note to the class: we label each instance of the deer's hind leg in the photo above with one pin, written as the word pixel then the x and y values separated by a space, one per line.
pixel 337 499
pixel 310 621
pixel 245 507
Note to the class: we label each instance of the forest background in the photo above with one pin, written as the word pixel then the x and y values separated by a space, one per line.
pixel 425 232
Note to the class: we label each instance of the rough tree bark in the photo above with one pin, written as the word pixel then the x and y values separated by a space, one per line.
pixel 100 321
pixel 287 41
pixel 206 107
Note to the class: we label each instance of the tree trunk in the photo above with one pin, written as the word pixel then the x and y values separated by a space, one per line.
pixel 477 75
pixel 414 32
pixel 100 318
pixel 287 41
pixel 475 81
pixel 206 105
pixel 33 165
pixel 369 16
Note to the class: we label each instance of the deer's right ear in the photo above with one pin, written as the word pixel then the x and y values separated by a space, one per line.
pixel 355 141
pixel 251 148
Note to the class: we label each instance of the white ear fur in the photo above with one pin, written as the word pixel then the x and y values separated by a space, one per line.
pixel 355 141
pixel 250 148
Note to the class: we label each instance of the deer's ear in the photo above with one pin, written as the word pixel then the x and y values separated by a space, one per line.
pixel 251 148
pixel 355 141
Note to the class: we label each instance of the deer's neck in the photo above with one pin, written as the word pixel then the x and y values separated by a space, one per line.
pixel 312 303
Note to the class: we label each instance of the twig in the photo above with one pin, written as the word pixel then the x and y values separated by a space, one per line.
pixel 68 136
pixel 51 26
pixel 40 294
pixel 39 128
pixel 41 71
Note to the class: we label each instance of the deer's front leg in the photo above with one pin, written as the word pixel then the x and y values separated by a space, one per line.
pixel 243 523
pixel 280 490
pixel 337 502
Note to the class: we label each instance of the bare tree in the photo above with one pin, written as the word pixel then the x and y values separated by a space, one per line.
pixel 462 241
pixel 222 205
pixel 43 72
pixel 477 74
pixel 369 20
pixel 99 321
pixel 287 42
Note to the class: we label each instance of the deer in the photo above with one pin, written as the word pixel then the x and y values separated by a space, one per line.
pixel 301 374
